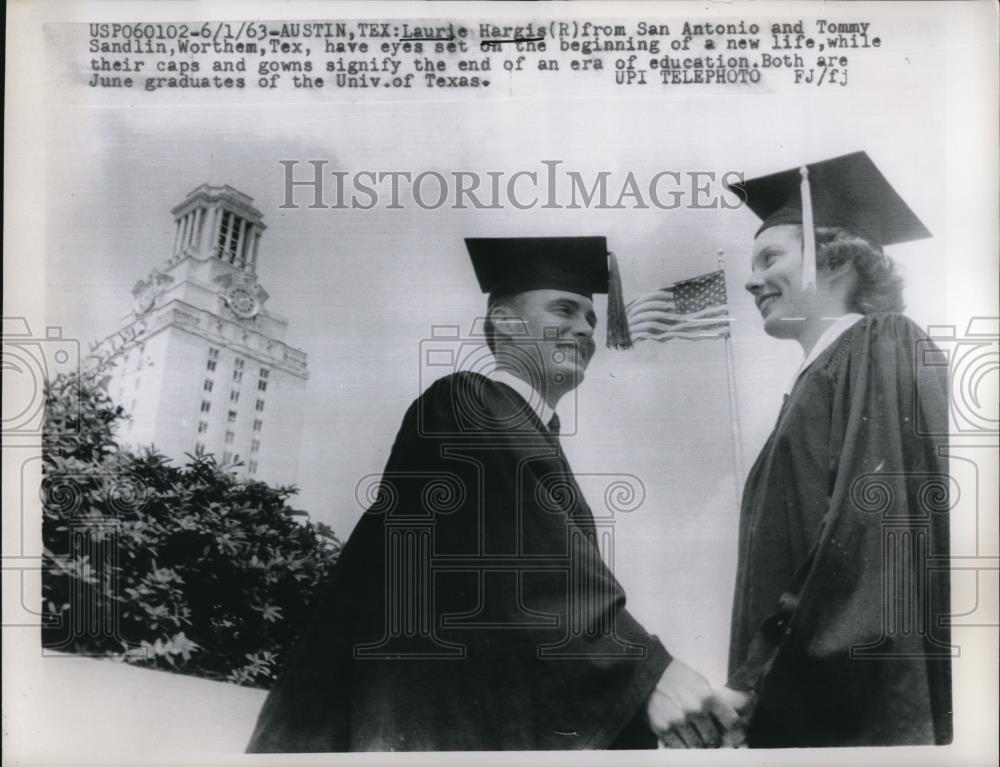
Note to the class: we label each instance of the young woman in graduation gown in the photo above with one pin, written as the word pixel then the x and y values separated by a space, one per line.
pixel 839 628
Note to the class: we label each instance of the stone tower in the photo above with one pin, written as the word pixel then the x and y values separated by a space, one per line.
pixel 200 362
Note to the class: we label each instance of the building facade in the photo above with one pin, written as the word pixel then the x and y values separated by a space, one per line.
pixel 200 363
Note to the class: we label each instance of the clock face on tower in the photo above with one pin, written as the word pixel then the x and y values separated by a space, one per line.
pixel 242 302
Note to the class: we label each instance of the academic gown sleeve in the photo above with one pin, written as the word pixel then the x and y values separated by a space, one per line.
pixel 507 664
pixel 853 653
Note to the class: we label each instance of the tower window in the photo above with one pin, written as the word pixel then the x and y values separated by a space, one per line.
pixel 252 467
pixel 259 406
pixel 207 386
pixel 257 424
pixel 237 376
pixel 199 448
pixel 231 416
pixel 264 372
pixel 202 427
pixel 229 233
pixel 230 436
pixel 205 405
pixel 254 445
pixel 213 354
pixel 227 457
pixel 238 364
pixel 211 365
pixel 234 396
pixel 262 385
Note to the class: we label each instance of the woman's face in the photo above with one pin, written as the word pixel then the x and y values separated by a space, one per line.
pixel 776 282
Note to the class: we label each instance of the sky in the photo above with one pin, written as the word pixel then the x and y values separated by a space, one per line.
pixel 362 290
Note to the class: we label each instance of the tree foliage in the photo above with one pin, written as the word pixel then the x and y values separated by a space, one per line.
pixel 186 567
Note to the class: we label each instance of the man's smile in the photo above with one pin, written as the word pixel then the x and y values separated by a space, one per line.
pixel 572 350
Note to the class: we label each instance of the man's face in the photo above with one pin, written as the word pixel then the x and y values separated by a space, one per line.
pixel 776 282
pixel 559 341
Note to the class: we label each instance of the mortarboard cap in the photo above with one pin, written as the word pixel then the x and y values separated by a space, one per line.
pixel 847 191
pixel 582 265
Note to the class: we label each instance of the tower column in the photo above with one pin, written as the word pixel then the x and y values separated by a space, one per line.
pixel 229 240
pixel 203 232
pixel 213 237
pixel 196 228
pixel 238 258
pixel 177 236
pixel 254 248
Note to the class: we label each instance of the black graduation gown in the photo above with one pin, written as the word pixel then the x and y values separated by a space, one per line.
pixel 842 587
pixel 515 636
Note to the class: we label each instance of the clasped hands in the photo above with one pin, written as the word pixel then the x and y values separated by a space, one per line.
pixel 684 711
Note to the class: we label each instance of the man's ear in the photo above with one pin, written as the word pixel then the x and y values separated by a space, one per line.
pixel 506 321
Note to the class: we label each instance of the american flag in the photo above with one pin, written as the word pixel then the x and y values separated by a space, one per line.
pixel 693 309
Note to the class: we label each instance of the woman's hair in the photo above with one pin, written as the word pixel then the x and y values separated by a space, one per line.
pixel 878 287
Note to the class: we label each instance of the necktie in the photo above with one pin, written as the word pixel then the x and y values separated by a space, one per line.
pixel 578 510
pixel 554 425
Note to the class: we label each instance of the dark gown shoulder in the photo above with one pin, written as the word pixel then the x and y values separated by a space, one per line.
pixel 877 336
pixel 472 404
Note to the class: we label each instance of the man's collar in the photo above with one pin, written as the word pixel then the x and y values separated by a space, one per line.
pixel 527 392
pixel 831 334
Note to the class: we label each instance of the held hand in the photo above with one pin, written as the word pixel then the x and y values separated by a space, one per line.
pixel 686 712
pixel 739 699
pixel 742 702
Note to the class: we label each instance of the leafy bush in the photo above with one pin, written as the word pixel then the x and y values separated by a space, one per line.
pixel 180 567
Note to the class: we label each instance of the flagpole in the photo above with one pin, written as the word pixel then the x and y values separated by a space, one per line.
pixel 734 411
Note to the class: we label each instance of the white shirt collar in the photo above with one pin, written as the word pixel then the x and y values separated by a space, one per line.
pixel 528 393
pixel 824 342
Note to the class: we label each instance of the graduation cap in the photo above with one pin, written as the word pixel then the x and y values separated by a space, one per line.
pixel 846 191
pixel 582 265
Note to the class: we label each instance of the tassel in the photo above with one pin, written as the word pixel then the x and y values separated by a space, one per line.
pixel 808 234
pixel 618 333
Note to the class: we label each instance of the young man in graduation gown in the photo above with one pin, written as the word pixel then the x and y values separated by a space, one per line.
pixel 839 627
pixel 471 607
